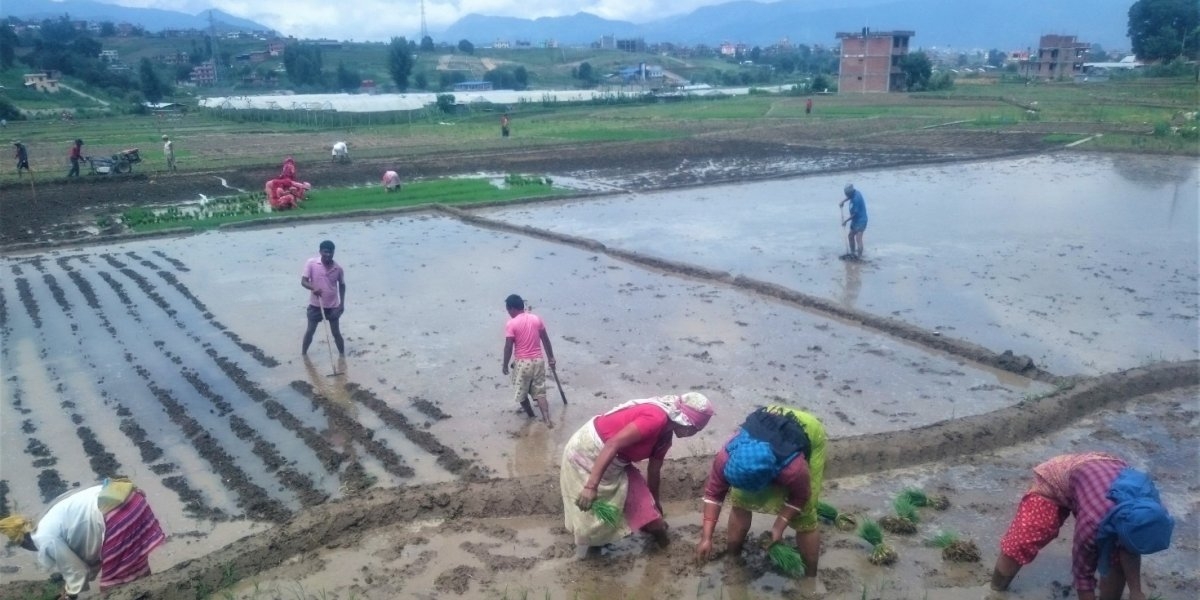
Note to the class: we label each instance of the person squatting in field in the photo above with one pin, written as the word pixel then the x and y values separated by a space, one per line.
pixel 1118 518
pixel 341 152
pixel 107 529
pixel 525 336
pixel 391 181
pixel 327 282
pixel 857 219
pixel 774 464
pixel 598 465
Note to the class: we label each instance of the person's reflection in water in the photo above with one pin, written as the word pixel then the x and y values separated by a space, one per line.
pixel 332 389
pixel 852 283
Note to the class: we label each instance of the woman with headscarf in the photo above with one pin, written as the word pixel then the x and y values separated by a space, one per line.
pixel 1118 518
pixel 108 528
pixel 774 464
pixel 598 465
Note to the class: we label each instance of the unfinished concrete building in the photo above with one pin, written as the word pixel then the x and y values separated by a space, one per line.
pixel 871 61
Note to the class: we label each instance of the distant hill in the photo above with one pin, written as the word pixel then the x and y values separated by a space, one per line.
pixel 1005 25
pixel 152 19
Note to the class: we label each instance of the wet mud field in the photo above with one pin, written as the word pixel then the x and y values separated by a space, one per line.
pixel 404 471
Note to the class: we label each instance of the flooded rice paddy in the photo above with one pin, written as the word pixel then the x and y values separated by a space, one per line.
pixel 177 361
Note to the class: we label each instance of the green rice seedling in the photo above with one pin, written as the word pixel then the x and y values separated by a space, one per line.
pixel 607 513
pixel 787 559
pixel 905 520
pixel 881 553
pixel 955 549
pixel 841 520
pixel 920 499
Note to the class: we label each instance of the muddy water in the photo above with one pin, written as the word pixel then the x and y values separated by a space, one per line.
pixel 1086 263
pixel 532 558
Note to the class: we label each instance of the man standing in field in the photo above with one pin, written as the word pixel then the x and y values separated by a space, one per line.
pixel 327 282
pixel 169 152
pixel 21 154
pixel 526 333
pixel 504 121
pixel 76 157
pixel 857 220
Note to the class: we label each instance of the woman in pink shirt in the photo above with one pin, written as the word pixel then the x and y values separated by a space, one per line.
pixel 597 464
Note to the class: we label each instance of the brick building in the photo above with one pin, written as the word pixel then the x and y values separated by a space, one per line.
pixel 1058 57
pixel 870 61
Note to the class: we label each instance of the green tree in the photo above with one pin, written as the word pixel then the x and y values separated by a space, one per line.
pixel 466 47
pixel 152 87
pixel 8 46
pixel 820 83
pixel 1165 29
pixel 348 79
pixel 521 77
pixel 107 29
pixel 445 102
pixel 584 72
pixel 303 64
pixel 421 81
pixel 426 44
pixel 996 58
pixel 400 61
pixel 916 69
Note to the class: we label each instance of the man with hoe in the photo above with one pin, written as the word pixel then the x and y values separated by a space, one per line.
pixel 857 221
pixel 526 334
pixel 327 282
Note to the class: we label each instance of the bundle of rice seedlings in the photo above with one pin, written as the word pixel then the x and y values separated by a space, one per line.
pixel 787 559
pixel 905 521
pixel 608 513
pixel 921 499
pixel 955 549
pixel 881 553
pixel 841 520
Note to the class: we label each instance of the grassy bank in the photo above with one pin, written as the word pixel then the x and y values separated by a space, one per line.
pixel 252 207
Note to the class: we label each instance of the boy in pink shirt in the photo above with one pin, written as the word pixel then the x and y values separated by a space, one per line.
pixel 526 334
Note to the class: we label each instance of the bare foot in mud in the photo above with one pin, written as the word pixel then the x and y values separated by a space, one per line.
pixel 811 587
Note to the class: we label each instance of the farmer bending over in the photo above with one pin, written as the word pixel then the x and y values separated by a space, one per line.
pixel 597 465
pixel 1118 518
pixel 106 528
pixel 774 464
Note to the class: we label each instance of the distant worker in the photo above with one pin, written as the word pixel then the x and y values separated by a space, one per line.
pixel 504 121
pixel 22 156
pixel 341 153
pixel 391 181
pixel 169 152
pixel 857 220
pixel 76 157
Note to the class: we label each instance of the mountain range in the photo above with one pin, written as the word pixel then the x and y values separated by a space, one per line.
pixel 151 19
pixel 1011 25
pixel 967 24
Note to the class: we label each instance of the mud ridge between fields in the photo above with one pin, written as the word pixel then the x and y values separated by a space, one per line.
pixel 1007 361
pixel 343 522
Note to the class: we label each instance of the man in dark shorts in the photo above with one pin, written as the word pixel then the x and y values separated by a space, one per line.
pixel 327 282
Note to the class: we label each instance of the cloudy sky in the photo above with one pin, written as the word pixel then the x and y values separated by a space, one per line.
pixel 382 19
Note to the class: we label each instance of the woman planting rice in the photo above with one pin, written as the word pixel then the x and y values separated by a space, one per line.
pixel 109 528
pixel 597 466
pixel 1118 518
pixel 774 464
